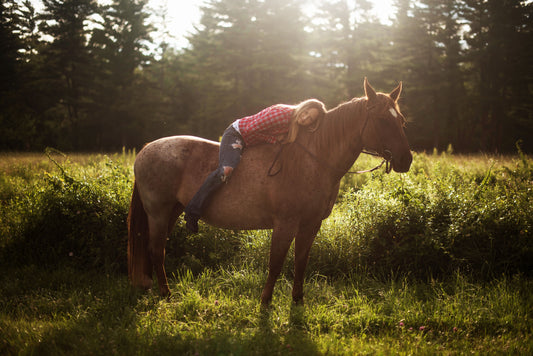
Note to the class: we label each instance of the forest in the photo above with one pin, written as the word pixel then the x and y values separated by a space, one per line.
pixel 81 75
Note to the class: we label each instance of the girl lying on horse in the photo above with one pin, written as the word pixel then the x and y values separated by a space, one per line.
pixel 276 124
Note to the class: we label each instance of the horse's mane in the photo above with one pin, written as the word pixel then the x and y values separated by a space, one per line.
pixel 337 122
pixel 335 133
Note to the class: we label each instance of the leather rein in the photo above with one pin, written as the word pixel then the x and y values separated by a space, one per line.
pixel 387 157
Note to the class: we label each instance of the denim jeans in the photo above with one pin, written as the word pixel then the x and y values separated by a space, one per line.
pixel 231 148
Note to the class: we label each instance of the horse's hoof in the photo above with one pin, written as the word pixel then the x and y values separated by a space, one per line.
pixel 298 300
pixel 165 292
pixel 265 303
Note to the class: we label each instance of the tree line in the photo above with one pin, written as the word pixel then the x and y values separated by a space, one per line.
pixel 83 76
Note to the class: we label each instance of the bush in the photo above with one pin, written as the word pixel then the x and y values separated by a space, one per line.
pixel 68 218
pixel 432 221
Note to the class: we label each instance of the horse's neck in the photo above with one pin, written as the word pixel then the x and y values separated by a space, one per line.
pixel 339 141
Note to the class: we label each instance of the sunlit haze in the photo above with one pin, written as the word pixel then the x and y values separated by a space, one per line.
pixel 181 16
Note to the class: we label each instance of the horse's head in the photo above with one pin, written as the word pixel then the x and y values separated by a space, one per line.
pixel 384 128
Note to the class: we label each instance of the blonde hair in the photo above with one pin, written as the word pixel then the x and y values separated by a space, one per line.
pixel 294 127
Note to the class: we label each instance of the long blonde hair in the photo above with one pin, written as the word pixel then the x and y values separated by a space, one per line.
pixel 294 127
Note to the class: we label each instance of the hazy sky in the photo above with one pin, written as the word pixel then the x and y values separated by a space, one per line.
pixel 183 14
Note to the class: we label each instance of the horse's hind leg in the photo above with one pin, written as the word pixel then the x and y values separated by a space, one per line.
pixel 302 247
pixel 156 247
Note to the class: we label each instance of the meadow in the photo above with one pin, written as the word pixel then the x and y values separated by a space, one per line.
pixel 435 261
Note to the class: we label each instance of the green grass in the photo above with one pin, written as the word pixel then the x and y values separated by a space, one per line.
pixel 435 261
pixel 217 312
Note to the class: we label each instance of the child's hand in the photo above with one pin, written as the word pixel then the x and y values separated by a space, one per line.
pixel 281 138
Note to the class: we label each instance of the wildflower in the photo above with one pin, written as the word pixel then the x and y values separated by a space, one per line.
pixel 402 324
pixel 422 328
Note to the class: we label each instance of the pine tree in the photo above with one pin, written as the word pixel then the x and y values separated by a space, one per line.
pixel 351 43
pixel 118 46
pixel 246 55
pixel 19 95
pixel 68 62
pixel 427 49
pixel 501 70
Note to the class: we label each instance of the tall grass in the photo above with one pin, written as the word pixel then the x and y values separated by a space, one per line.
pixel 66 210
pixel 216 312
pixel 448 213
pixel 444 215
pixel 438 260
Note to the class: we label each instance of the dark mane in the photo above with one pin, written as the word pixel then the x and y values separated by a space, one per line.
pixel 333 135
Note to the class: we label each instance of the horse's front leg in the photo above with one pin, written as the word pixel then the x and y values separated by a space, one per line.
pixel 282 237
pixel 302 246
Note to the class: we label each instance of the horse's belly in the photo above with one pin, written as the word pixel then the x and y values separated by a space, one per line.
pixel 238 222
pixel 241 206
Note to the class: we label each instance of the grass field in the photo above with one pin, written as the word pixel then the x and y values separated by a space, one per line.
pixel 435 261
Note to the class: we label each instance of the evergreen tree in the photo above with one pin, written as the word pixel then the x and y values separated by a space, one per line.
pixel 87 80
pixel 444 85
pixel 10 45
pixel 416 60
pixel 68 63
pixel 172 90
pixel 19 99
pixel 427 49
pixel 118 47
pixel 350 44
pixel 246 55
pixel 501 74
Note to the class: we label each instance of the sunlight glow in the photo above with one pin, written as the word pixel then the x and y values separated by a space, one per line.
pixel 181 17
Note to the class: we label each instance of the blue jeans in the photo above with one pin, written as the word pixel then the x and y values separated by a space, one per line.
pixel 231 148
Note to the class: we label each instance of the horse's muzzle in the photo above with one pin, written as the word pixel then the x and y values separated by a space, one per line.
pixel 402 163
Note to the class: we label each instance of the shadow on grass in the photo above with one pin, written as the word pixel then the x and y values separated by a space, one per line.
pixel 265 338
pixel 67 311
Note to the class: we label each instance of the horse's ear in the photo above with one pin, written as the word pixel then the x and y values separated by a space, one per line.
pixel 369 91
pixel 395 94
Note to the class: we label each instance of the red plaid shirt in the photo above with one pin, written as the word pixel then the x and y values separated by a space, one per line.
pixel 266 125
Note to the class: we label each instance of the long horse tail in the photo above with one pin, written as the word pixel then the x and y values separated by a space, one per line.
pixel 140 266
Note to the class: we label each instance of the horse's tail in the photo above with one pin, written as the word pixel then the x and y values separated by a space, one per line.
pixel 139 263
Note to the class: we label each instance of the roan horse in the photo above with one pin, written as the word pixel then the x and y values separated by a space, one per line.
pixel 293 203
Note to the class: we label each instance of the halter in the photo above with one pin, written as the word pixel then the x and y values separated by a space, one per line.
pixel 387 155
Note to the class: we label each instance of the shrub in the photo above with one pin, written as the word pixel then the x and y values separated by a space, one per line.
pixel 432 221
pixel 78 219
pixel 447 213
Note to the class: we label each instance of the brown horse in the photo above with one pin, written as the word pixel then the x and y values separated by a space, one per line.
pixel 293 203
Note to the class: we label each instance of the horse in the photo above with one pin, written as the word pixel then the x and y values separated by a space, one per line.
pixel 292 199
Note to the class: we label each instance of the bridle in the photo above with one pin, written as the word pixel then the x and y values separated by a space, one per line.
pixel 387 155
